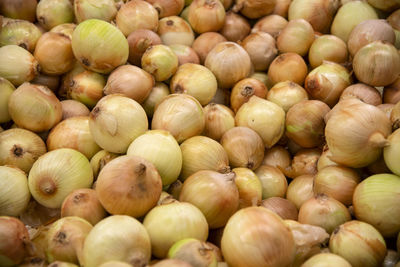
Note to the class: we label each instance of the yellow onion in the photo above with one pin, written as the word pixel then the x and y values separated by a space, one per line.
pixel 300 190
pixel 194 252
pixel 73 108
pixel 281 206
pixel 394 21
pixel 138 42
pixel 327 82
pixel 20 32
pixel 52 82
pixel 205 42
pixel 14 241
pixel 51 180
pixel 337 182
pixel 356 139
pixel 219 119
pixel 171 263
pixel 206 15
pixel 377 64
pixel 391 93
pixel 229 62
pixel 287 94
pixel 202 153
pixel 390 152
pixel 157 94
pixel 34 107
pixel 185 54
pixel 324 160
pixel 99 160
pixel 373 202
pixel 296 37
pixel 274 183
pixel 180 114
pixel 14 192
pixel 395 116
pixel 117 237
pixel 65 239
pixel 261 48
pixel 254 9
pixel 305 123
pixel 73 133
pixel 215 194
pixel 236 27
pixel 171 222
pixel 6 89
pixel 244 147
pixel 277 156
pixel 99 46
pixel 129 185
pixel 304 162
pixel 288 67
pixel 116 121
pixel 324 211
pixel 89 9
pixel 135 15
pixel 195 80
pixel 51 13
pixel 160 148
pixel 389 5
pixel 350 15
pixel 365 93
pixel 85 204
pixel 326 260
pixel 160 61
pixel 264 117
pixel 166 8
pixel 256 236
pixel 17 65
pixel 272 24
pixel 244 90
pixel 65 28
pixel 131 81
pixel 359 243
pixel 249 186
pixel 175 30
pixel 66 80
pixel 327 48
pixel 20 148
pixel 282 8
pixel 19 9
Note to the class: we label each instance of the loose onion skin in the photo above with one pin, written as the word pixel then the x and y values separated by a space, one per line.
pixel 304 162
pixel 138 42
pixel 365 93
pixel 100 159
pixel 244 89
pixel 281 206
pixel 288 67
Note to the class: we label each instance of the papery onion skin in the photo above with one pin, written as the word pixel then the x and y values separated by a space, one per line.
pixel 86 9
pixel 139 41
pixel 300 190
pixel 236 27
pixel 244 89
pixel 365 93
pixel 272 24
pixel 73 108
pixel 249 186
pixel 274 183
pixel 327 48
pixel 6 89
pixel 287 94
pixel 288 67
pixel 281 206
pixel 326 260
pixel 304 162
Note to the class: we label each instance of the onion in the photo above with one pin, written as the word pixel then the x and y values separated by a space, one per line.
pixel 51 13
pixel 129 185
pixel 66 80
pixel 261 48
pixel 166 8
pixel 268 241
pixel 73 108
pixel 14 241
pixel 116 121
pixel 373 202
pixel 394 21
pixel 244 147
pixel 19 9
pixel 160 148
pixel 219 119
pixel 304 162
pixel 85 204
pixel 160 61
pixel 6 90
pixel 287 94
pixel 326 260
pixel 288 67
pixel 175 189
pixel 88 9
pixel 327 48
pixel 219 195
pixel 14 195
pixel 264 117
pixel 305 123
pixel 244 90
pixel 20 148
pixel 99 46
pixel 171 263
pixel 185 54
pixel 202 153
pixel 283 207
pixel 359 243
pixel 386 108
pixel 34 107
pixel 249 186
pixel 52 82
pixel 169 223
pixel 254 9
pixel 350 15
pixel 117 237
pixel 157 94
pixel 206 15
pixel 277 156
pixel 193 251
pixel 65 28
pixel 282 8
pixel 194 80
pixel 391 152
pixel 20 32
pixel 36 216
pixel 385 6
pixel 175 30
pixel 365 93
pixel 296 37
pixel 99 160
pixel 205 42
pixel 377 64
pixel 356 139
pixel 272 24
pixel 337 182
pixel 236 27
pixel 138 42
pixel 222 97
pixel 17 65
pixel 391 93
pixel 57 264
pixel 131 81
pixel 300 190
pixel 395 116
pixel 50 182
pixel 180 114
pixel 274 183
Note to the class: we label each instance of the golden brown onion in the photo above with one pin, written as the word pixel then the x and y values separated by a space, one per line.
pixel 327 48
pixel 300 190
pixel 287 94
pixel 277 156
pixel 185 54
pixel 19 9
pixel 365 93
pixel 206 15
pixel 205 42
pixel 254 9
pixel 272 24
pixel 138 42
pixel 296 37
pixel 304 162
pixel 219 119
pixel 236 27
pixel 288 67
pixel 391 93
pixel 166 8
pixel 274 183
pixel 73 108
pixel 244 90
pixel 261 48
pixel 281 206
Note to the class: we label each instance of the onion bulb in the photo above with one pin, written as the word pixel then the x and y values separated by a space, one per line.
pixel 72 108
pixel 205 42
pixel 6 89
pixel 206 15
pixel 160 61
pixel 274 183
pixel 326 260
pixel 175 30
pixel 20 32
pixel 281 206
pixel 19 9
pixel 236 27
pixel 138 42
pixel 166 8
pixel 244 89
pixel 296 37
pixel 117 237
pixel 261 48
pixel 157 94
pixel 300 190
pixel 271 24
pixel 327 48
pixel 390 152
pixel 365 93
pixel 277 156
pixel 219 119
pixel 87 9
pixel 194 252
pixel 287 94
pixel 99 160
pixel 288 67
pixel 185 54
pixel 51 13
pixel 170 263
pixel 249 186
pixel 391 93
pixel 254 9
